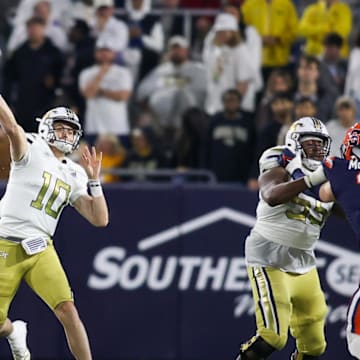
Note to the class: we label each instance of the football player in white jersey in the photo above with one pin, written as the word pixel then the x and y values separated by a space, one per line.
pixel 42 182
pixel 279 250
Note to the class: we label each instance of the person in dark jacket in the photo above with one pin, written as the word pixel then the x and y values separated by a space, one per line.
pixel 32 74
pixel 231 141
pixel 190 146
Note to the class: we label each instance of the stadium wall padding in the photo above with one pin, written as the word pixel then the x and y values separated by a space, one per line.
pixel 166 280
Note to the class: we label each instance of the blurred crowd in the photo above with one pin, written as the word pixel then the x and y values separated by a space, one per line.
pixel 182 84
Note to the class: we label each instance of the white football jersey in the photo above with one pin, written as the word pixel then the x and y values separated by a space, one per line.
pixel 38 189
pixel 296 224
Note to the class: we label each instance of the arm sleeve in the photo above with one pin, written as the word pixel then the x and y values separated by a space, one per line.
pixel 245 70
pixel 308 27
pixel 270 158
pixel 288 36
pixel 343 23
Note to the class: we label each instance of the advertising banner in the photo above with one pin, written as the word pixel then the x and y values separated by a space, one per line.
pixel 166 280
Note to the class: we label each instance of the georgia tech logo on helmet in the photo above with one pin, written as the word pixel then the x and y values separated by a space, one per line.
pixel 47 115
pixel 295 125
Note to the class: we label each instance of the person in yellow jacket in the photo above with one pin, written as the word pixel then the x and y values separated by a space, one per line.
pixel 322 18
pixel 277 22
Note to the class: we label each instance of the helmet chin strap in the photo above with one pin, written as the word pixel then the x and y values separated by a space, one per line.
pixel 62 146
pixel 310 164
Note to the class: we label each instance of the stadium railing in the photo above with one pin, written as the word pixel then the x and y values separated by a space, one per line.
pixel 163 175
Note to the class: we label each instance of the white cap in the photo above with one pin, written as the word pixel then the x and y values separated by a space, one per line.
pixel 225 22
pixel 99 3
pixel 104 42
pixel 178 40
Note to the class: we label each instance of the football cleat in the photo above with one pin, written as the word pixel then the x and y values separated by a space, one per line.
pixel 17 341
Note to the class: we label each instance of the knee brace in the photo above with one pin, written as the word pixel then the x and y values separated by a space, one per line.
pixel 255 349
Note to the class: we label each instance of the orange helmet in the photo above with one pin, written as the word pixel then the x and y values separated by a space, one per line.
pixel 351 143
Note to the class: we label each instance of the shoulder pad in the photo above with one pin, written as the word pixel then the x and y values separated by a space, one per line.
pixel 270 158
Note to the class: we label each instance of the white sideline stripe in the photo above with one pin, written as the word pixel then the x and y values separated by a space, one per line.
pixel 195 224
pixel 227 214
pixel 334 250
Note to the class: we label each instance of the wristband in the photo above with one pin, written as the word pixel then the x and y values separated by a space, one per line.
pixel 95 188
pixel 315 178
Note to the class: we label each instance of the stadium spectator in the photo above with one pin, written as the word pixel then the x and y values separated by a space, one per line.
pixel 173 87
pixel 113 156
pixel 276 21
pixel 146 35
pixel 108 27
pixel 272 134
pixel 80 57
pixel 190 146
pixel 143 154
pixel 229 65
pixel 304 107
pixel 352 82
pixel 251 38
pixel 230 142
pixel 279 81
pixel 335 66
pixel 307 76
pixel 32 74
pixel 345 110
pixel 320 19
pixel 60 12
pixel 107 88
pixel 42 9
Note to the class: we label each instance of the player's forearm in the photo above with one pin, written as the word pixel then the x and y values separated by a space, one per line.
pixel 284 192
pixel 91 89
pixel 99 211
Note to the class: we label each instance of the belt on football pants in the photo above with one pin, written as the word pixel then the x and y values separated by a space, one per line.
pixel 12 239
pixel 19 240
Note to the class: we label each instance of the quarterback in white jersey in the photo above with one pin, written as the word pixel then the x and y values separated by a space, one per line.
pixel 56 184
pixel 279 251
pixel 41 183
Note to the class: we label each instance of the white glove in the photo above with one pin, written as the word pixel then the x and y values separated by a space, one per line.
pixel 317 177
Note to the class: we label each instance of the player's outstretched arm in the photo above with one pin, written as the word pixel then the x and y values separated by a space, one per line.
pixel 94 207
pixel 15 133
pixel 276 189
